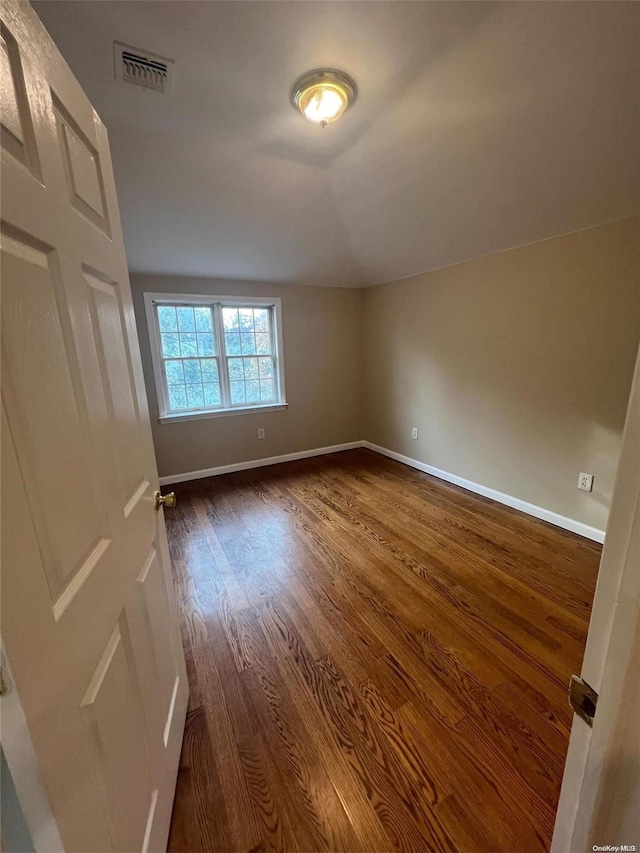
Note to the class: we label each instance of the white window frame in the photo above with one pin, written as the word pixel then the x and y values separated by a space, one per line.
pixel 165 414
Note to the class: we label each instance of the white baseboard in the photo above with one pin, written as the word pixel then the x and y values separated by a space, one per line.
pixel 258 463
pixel 508 500
pixel 524 506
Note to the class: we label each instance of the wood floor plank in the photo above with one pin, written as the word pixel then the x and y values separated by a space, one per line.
pixel 199 793
pixel 336 749
pixel 243 826
pixel 401 805
pixel 266 790
pixel 455 760
pixel 310 793
pixel 378 661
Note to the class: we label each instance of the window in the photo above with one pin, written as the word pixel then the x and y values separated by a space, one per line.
pixel 215 355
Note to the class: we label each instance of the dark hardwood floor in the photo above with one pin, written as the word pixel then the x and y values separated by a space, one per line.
pixel 378 661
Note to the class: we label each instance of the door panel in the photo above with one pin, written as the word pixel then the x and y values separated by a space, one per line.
pixel 153 599
pixel 112 713
pixel 11 118
pixel 81 167
pixel 160 666
pixel 48 408
pixel 88 617
pixel 17 127
pixel 117 378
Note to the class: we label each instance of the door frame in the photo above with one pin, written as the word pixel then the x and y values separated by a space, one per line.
pixel 593 767
pixel 24 769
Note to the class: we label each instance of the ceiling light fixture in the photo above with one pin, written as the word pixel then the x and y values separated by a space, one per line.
pixel 323 95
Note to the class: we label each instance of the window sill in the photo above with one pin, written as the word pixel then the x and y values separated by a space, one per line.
pixel 221 413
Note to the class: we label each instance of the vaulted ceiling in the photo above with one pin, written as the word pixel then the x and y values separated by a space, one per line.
pixel 479 126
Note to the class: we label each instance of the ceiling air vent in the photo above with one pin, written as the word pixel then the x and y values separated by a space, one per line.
pixel 141 68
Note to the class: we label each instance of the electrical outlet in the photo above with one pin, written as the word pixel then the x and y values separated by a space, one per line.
pixel 414 432
pixel 260 433
pixel 585 482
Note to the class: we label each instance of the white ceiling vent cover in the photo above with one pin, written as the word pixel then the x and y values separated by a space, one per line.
pixel 142 68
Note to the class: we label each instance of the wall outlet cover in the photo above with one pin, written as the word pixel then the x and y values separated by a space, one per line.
pixel 414 432
pixel 260 433
pixel 585 482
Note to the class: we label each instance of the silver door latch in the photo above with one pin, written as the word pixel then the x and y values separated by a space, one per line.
pixel 583 699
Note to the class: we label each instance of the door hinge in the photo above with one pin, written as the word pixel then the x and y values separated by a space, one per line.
pixel 583 699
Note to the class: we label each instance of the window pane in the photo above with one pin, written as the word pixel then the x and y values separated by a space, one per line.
pixel 185 319
pixel 192 371
pixel 267 390
pixel 235 369
pixel 250 368
pixel 203 319
pixel 232 343
pixel 252 391
pixel 265 366
pixel 230 319
pixel 195 397
pixel 167 318
pixel 237 392
pixel 248 344
pixel 261 319
pixel 263 345
pixel 209 370
pixel 205 344
pixel 177 397
pixel 188 345
pixel 211 394
pixel 170 346
pixel 175 374
pixel 246 319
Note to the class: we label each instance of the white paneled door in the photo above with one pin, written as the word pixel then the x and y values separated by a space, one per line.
pixel 89 622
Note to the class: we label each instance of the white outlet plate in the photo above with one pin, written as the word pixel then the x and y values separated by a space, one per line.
pixel 260 433
pixel 414 432
pixel 585 482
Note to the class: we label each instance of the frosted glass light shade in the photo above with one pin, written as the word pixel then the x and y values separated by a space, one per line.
pixel 323 104
pixel 323 95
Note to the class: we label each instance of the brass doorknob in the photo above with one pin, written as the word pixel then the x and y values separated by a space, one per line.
pixel 169 500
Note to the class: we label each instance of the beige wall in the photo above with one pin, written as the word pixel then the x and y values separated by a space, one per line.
pixel 515 368
pixel 322 331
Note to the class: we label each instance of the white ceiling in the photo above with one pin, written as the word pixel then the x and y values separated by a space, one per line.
pixel 479 126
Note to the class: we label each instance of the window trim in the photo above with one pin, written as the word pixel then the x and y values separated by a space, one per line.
pixel 167 416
